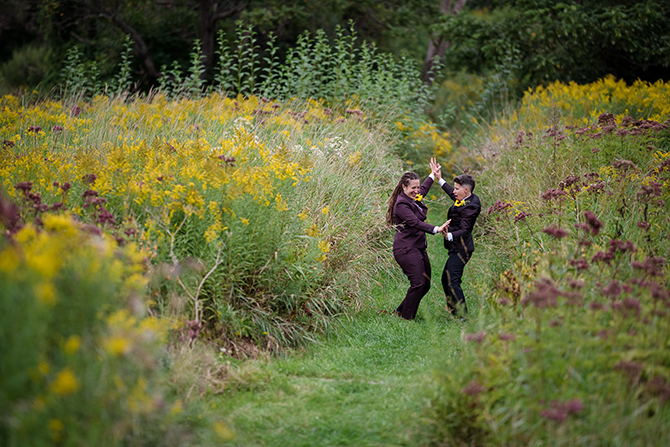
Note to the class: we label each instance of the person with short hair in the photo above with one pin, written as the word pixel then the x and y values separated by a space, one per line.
pixel 458 236
pixel 407 214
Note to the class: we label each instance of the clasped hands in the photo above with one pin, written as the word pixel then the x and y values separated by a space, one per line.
pixel 444 228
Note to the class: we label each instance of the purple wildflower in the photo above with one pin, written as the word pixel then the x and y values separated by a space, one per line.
pixel 473 388
pixel 556 232
pixel 478 337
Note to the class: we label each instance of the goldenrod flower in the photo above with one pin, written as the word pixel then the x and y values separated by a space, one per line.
pixel 45 293
pixel 222 430
pixel 43 367
pixel 65 383
pixel 117 345
pixel 72 344
pixel 324 246
pixel 56 426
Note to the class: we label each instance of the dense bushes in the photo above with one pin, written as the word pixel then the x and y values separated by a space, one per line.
pixel 572 345
pixel 80 357
pixel 260 218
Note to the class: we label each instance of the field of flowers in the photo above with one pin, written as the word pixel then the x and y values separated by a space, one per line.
pixel 250 222
pixel 234 201
pixel 582 104
pixel 80 356
pixel 242 221
pixel 572 347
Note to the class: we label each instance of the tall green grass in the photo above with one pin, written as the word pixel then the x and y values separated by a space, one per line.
pixel 571 346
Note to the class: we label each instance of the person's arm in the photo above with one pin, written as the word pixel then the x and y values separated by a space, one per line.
pixel 468 218
pixel 448 189
pixel 407 217
pixel 425 186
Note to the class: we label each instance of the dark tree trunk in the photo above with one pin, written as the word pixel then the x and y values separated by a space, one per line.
pixel 140 47
pixel 438 46
pixel 209 13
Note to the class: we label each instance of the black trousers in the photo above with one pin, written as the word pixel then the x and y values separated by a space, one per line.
pixel 452 278
pixel 416 266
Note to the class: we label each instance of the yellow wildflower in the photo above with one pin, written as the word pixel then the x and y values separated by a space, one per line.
pixel 117 345
pixel 56 426
pixel 176 408
pixel 312 231
pixel 45 293
pixel 72 344
pixel 324 246
pixel 222 430
pixel 65 383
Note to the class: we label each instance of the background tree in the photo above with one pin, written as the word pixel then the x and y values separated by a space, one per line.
pixel 544 40
pixel 437 45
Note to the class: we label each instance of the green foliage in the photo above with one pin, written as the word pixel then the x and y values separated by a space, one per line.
pixel 29 67
pixel 314 68
pixel 194 82
pixel 122 80
pixel 81 361
pixel 172 79
pixel 571 346
pixel 567 41
pixel 79 78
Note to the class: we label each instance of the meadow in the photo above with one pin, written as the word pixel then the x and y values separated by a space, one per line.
pixel 150 242
pixel 571 344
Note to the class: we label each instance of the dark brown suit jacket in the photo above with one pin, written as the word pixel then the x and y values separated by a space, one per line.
pixel 408 217
pixel 462 221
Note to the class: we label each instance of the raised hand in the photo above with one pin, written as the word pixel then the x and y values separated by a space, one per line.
pixel 436 169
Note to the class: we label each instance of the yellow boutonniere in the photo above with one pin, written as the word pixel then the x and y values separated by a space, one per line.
pixel 459 203
pixel 418 198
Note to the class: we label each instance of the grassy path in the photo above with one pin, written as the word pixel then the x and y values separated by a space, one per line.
pixel 364 386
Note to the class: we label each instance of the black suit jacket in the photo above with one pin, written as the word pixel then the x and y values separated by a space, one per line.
pixel 409 217
pixel 462 221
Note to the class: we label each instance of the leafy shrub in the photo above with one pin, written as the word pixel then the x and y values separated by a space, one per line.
pixel 81 359
pixel 28 66
pixel 260 218
pixel 571 347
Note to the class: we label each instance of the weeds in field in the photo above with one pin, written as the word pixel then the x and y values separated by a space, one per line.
pixel 571 348
pixel 257 213
pixel 81 357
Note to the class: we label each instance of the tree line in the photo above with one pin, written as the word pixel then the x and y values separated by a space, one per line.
pixel 534 41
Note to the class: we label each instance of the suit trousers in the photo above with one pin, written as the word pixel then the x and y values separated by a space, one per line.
pixel 452 278
pixel 416 266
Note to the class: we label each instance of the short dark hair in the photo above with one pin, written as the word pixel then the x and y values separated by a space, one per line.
pixel 466 180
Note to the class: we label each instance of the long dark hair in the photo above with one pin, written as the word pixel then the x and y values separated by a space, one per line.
pixel 404 181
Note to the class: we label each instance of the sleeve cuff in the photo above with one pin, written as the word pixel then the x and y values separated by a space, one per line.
pixel 435 230
pixel 442 181
pixel 432 176
pixel 450 237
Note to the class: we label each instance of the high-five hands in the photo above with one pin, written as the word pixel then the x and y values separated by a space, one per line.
pixel 436 169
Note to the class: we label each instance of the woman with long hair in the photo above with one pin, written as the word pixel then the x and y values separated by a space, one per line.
pixel 407 214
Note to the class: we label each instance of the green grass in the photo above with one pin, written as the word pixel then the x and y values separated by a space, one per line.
pixel 365 384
